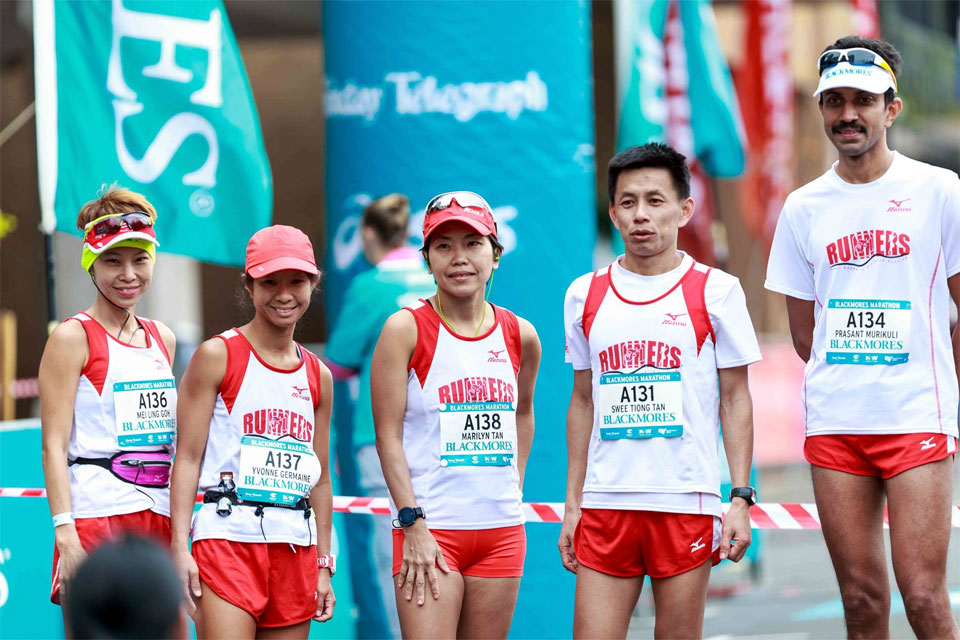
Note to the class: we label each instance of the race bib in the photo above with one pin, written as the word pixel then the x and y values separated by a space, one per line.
pixel 868 331
pixel 146 412
pixel 640 405
pixel 478 434
pixel 276 471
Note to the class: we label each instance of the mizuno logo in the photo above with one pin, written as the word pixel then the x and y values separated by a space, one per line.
pixel 696 546
pixel 674 319
pixel 300 393
pixel 898 205
pixel 495 356
pixel 927 444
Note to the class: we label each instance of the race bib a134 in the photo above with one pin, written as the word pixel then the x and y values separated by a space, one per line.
pixel 863 331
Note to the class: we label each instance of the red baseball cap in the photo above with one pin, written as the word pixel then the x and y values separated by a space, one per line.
pixel 459 206
pixel 277 248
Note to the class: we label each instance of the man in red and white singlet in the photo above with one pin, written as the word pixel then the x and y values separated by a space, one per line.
pixel 660 346
pixel 868 257
pixel 452 382
pixel 108 401
pixel 254 434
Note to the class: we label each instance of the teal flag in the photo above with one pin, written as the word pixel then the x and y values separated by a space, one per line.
pixel 151 95
pixel 713 114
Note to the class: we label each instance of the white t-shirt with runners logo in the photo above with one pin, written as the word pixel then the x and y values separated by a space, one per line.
pixel 654 345
pixel 875 259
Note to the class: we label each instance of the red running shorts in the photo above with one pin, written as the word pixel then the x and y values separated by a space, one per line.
pixel 628 544
pixel 94 532
pixel 876 454
pixel 482 553
pixel 275 582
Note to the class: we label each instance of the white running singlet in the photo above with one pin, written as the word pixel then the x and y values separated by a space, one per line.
pixel 875 259
pixel 117 408
pixel 654 345
pixel 262 431
pixel 460 424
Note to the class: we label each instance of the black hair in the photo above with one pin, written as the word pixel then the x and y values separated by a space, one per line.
pixel 127 588
pixel 881 47
pixel 651 155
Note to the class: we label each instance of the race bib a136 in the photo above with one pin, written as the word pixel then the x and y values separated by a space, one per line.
pixel 868 331
pixel 146 412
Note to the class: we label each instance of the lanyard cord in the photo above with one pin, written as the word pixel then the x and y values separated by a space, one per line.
pixel 482 315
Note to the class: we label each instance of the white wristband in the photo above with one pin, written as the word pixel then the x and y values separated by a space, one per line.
pixel 62 518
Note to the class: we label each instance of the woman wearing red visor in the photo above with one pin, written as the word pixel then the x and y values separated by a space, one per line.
pixel 452 383
pixel 107 398
pixel 254 428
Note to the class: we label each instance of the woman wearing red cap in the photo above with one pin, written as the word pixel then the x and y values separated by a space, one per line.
pixel 452 383
pixel 107 396
pixel 253 433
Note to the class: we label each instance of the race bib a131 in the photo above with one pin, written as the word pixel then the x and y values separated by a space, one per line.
pixel 641 405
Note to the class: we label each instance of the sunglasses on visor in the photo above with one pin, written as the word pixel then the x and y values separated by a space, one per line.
pixel 466 199
pixel 857 56
pixel 112 224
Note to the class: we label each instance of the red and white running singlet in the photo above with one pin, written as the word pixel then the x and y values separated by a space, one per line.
pixel 126 401
pixel 262 431
pixel 460 424
pixel 654 345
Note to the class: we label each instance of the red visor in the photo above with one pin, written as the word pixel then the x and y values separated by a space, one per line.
pixel 459 206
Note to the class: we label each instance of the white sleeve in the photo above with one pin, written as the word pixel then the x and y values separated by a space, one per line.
pixel 736 340
pixel 577 350
pixel 789 271
pixel 951 225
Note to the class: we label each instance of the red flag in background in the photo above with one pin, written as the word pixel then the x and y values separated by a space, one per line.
pixel 766 92
pixel 866 19
pixel 695 238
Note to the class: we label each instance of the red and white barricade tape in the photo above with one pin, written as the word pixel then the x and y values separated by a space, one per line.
pixel 765 515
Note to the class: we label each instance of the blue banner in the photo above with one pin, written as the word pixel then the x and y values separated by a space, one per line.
pixel 425 97
pixel 152 95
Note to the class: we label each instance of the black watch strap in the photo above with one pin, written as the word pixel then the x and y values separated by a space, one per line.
pixel 747 493
pixel 406 516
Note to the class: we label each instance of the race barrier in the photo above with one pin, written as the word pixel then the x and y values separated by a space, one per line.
pixel 763 515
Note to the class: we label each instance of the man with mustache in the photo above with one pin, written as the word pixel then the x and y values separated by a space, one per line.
pixel 868 256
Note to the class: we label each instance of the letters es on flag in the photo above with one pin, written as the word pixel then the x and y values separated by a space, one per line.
pixel 151 95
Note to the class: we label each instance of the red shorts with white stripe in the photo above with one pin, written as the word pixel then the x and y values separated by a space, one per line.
pixel 275 582
pixel 629 544
pixel 482 553
pixel 878 455
pixel 94 532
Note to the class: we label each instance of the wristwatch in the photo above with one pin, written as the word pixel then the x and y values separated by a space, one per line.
pixel 328 562
pixel 747 493
pixel 406 516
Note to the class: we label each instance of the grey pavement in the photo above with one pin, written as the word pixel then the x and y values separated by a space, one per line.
pixel 795 596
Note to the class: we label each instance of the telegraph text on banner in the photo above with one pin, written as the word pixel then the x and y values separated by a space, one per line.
pixel 507 114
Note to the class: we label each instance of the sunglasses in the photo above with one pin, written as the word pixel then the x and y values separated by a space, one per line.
pixel 112 224
pixel 857 56
pixel 466 200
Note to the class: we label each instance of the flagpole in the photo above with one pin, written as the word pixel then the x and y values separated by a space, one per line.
pixel 45 98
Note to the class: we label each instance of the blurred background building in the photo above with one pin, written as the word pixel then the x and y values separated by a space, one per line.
pixel 733 91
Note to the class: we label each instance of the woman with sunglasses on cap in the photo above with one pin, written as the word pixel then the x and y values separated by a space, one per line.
pixel 452 383
pixel 254 427
pixel 107 397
